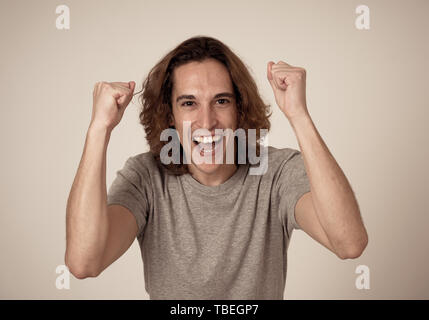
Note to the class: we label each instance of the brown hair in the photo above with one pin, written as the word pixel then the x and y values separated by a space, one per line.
pixel 155 98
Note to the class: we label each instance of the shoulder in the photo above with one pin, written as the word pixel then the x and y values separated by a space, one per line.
pixel 274 161
pixel 278 157
pixel 145 159
pixel 144 163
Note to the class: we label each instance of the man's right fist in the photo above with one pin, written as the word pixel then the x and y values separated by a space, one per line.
pixel 109 102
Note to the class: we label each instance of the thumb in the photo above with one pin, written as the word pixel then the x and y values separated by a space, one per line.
pixel 132 86
pixel 125 98
pixel 270 75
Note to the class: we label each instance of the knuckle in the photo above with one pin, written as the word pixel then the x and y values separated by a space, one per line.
pixel 299 73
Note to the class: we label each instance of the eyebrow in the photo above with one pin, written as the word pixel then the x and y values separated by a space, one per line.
pixel 192 97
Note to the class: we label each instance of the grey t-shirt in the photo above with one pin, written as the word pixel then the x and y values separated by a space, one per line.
pixel 213 242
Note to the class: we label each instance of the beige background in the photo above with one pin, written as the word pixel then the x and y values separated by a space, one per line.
pixel 366 90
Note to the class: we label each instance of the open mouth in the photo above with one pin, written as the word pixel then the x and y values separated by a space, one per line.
pixel 207 145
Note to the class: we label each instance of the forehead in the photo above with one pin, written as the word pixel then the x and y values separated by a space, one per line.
pixel 196 77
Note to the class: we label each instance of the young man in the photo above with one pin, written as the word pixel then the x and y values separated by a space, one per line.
pixel 208 230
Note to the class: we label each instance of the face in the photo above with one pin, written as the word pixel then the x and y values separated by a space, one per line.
pixel 203 95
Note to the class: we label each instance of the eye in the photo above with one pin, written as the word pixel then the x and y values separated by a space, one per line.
pixel 185 104
pixel 224 101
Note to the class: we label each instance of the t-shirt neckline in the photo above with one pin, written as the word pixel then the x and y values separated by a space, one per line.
pixel 221 188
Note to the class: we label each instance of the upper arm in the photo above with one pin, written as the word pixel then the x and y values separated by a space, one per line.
pixel 122 232
pixel 307 219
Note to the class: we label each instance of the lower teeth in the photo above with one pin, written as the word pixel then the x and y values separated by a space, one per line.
pixel 208 147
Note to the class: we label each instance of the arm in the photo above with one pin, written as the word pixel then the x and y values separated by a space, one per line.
pixel 329 213
pixel 96 235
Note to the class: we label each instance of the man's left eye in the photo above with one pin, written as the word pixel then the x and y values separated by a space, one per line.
pixel 223 101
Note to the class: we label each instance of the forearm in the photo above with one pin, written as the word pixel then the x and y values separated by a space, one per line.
pixel 333 197
pixel 86 217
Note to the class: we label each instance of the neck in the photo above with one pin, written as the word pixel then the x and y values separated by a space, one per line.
pixel 215 178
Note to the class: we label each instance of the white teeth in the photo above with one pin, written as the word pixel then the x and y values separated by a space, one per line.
pixel 207 139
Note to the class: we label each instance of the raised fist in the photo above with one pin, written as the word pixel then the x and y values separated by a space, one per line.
pixel 109 102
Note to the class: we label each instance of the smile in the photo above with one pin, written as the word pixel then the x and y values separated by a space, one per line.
pixel 207 145
pixel 207 139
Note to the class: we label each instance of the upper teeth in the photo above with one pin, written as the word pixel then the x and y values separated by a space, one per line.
pixel 207 139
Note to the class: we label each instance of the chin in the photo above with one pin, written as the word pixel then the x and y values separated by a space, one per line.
pixel 205 166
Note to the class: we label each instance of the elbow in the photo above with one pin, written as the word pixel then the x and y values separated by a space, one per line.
pixel 80 273
pixel 351 254
pixel 354 251
pixel 81 270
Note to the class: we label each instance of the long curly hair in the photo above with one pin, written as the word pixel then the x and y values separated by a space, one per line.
pixel 155 95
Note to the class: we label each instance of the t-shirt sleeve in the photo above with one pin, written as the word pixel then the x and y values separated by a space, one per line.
pixel 292 184
pixel 131 189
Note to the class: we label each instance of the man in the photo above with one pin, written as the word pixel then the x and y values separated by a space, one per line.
pixel 208 230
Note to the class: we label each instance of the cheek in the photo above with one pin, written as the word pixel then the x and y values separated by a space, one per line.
pixel 176 118
pixel 233 118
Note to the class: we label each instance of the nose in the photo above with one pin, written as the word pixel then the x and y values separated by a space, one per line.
pixel 207 118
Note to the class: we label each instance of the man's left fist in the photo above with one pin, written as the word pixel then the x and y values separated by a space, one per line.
pixel 288 83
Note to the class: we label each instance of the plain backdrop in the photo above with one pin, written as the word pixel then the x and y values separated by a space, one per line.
pixel 367 93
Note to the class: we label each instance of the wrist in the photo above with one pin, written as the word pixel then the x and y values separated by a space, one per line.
pixel 99 127
pixel 299 120
pixel 99 131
